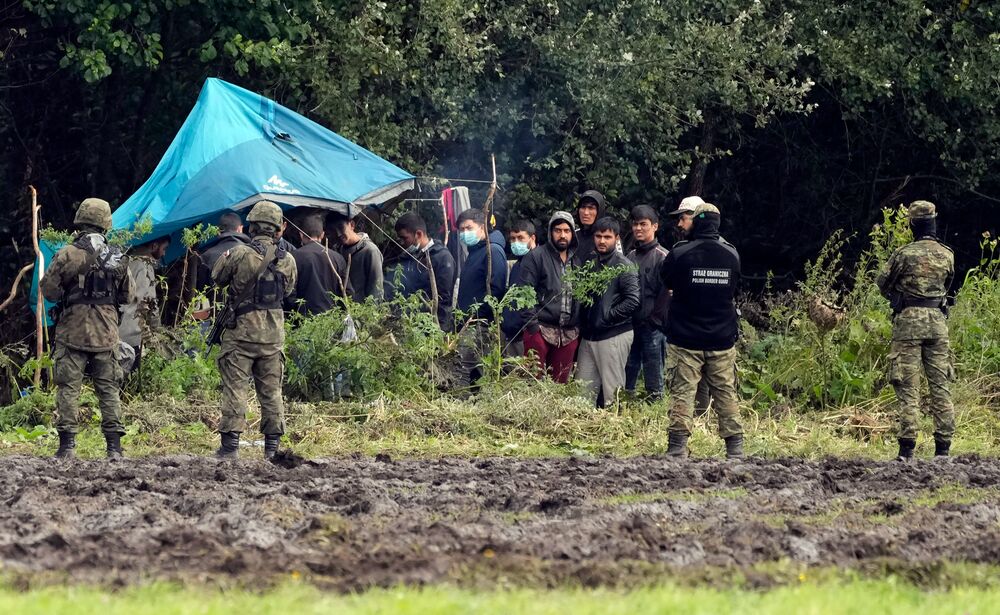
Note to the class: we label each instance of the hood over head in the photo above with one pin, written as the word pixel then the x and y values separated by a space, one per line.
pixel 706 222
pixel 558 217
pixel 597 197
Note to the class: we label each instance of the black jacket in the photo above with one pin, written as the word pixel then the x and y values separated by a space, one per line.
pixel 317 283
pixel 543 270
pixel 513 320
pixel 210 252
pixel 585 235
pixel 704 275
pixel 415 278
pixel 611 313
pixel 654 297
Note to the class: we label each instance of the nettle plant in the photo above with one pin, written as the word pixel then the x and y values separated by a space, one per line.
pixel 364 350
pixel 793 360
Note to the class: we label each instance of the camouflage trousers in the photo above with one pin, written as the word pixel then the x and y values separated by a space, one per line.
pixel 238 363
pixel 685 370
pixel 105 373
pixel 906 358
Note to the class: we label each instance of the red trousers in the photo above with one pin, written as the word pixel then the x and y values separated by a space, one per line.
pixel 558 362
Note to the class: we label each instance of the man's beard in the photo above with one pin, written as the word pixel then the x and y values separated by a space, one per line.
pixel 561 244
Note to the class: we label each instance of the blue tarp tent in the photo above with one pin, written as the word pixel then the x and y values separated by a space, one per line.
pixel 236 148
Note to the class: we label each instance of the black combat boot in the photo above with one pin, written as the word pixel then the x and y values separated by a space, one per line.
pixel 734 447
pixel 942 446
pixel 114 441
pixel 67 445
pixel 230 448
pixel 677 444
pixel 906 446
pixel 271 445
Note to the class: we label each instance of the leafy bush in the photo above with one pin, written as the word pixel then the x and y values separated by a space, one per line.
pixel 368 349
pixel 975 319
pixel 792 360
pixel 178 364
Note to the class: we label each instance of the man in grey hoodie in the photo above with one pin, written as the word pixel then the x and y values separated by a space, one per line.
pixel 364 260
pixel 551 326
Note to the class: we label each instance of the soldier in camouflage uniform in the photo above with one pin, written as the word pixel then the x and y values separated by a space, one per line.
pixel 916 282
pixel 91 282
pixel 254 346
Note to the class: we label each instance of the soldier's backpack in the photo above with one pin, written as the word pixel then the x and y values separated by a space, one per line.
pixel 98 281
pixel 269 291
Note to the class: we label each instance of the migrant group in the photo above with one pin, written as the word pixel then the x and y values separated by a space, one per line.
pixel 668 314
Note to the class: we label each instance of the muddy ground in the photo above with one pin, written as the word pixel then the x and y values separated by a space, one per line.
pixel 351 523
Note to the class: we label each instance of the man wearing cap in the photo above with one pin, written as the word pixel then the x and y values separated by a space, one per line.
pixel 684 216
pixel 91 281
pixel 253 346
pixel 702 327
pixel 916 281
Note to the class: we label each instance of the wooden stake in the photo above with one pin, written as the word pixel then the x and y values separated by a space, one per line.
pixel 40 300
pixel 486 210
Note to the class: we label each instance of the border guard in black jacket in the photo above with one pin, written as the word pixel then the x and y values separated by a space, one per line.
pixel 702 327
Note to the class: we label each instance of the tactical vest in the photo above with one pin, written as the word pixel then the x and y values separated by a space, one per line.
pixel 270 286
pixel 97 283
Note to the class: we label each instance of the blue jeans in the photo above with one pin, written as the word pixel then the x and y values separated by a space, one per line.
pixel 649 347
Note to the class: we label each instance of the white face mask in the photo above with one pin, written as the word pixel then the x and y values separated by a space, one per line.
pixel 519 248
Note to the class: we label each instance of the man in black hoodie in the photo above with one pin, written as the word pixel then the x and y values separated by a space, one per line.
pixel 606 324
pixel 551 326
pixel 322 273
pixel 589 209
pixel 702 327
pixel 649 346
pixel 230 235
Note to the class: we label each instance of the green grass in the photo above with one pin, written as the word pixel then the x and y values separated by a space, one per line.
pixel 681 495
pixel 517 420
pixel 955 494
pixel 862 597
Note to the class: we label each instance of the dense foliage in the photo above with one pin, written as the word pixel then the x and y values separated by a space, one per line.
pixel 797 117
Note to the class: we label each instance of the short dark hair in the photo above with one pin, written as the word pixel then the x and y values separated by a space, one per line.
pixel 335 219
pixel 476 215
pixel 522 226
pixel 607 223
pixel 312 224
pixel 411 222
pixel 645 212
pixel 229 222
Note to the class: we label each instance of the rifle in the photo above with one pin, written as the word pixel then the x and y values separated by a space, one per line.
pixel 226 318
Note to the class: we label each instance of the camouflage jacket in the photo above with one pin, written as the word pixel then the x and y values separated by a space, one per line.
pixel 923 269
pixel 141 317
pixel 237 268
pixel 91 328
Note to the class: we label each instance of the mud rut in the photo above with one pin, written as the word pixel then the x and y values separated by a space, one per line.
pixel 350 523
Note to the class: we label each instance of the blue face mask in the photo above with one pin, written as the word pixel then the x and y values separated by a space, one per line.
pixel 518 248
pixel 469 238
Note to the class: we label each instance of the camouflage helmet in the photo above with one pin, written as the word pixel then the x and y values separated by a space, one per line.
pixel 922 210
pixel 95 212
pixel 706 208
pixel 265 211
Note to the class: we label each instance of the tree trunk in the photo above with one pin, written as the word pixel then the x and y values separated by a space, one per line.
pixel 706 147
